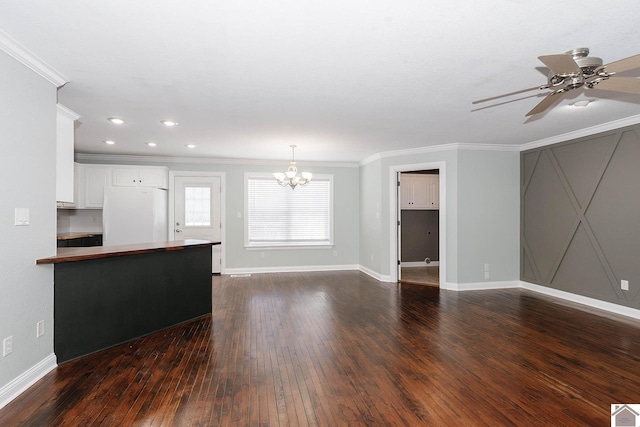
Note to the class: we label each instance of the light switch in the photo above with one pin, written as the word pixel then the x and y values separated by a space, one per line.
pixel 22 216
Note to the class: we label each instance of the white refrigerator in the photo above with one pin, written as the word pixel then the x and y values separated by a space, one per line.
pixel 134 215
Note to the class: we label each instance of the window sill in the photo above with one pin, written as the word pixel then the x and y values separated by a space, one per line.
pixel 285 246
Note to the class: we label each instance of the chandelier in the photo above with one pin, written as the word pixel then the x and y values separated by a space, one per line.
pixel 290 177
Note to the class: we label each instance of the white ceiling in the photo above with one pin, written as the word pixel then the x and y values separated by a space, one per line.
pixel 342 79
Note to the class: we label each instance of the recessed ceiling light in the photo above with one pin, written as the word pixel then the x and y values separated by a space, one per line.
pixel 151 144
pixel 109 142
pixel 116 121
pixel 582 103
pixel 190 145
pixel 169 123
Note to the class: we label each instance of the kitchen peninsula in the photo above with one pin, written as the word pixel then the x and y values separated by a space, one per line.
pixel 107 295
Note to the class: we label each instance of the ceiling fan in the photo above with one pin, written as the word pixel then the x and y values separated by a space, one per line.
pixel 574 69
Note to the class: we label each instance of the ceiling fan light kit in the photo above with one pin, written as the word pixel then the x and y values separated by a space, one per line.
pixel 575 69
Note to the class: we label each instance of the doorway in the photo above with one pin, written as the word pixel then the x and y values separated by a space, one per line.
pixel 419 227
pixel 436 276
pixel 195 210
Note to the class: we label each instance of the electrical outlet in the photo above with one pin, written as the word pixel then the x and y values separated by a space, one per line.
pixel 624 285
pixel 371 257
pixel 40 329
pixel 486 267
pixel 7 346
pixel 261 254
pixel 486 275
pixel 335 253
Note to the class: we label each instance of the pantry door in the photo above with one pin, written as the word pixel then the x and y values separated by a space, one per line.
pixel 197 211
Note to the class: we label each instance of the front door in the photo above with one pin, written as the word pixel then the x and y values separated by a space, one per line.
pixel 197 212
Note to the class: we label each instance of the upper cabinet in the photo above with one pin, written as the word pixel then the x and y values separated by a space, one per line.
pixel 140 176
pixel 64 154
pixel 91 179
pixel 419 191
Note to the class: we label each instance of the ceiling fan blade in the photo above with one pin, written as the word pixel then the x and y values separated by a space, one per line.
pixel 544 104
pixel 624 64
pixel 505 95
pixel 620 84
pixel 560 64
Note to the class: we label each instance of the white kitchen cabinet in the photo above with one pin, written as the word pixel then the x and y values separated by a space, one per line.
pixel 91 182
pixel 140 176
pixel 419 191
pixel 64 155
pixel 434 191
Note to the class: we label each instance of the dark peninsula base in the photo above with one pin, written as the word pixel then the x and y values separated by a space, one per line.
pixel 99 303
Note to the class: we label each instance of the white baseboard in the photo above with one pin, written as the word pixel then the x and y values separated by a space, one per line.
pixel 420 264
pixel 590 302
pixel 374 274
pixel 481 286
pixel 27 379
pixel 289 269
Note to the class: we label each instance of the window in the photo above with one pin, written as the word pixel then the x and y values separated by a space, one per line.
pixel 279 216
pixel 197 206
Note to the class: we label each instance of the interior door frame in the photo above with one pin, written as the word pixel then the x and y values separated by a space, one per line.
pixel 223 222
pixel 394 215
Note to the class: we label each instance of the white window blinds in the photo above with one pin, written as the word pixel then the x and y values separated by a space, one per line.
pixel 280 216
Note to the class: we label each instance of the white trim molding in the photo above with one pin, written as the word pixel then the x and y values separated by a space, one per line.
pixel 593 130
pixel 579 299
pixel 120 158
pixel 23 55
pixel 375 275
pixel 290 269
pixel 411 264
pixel 439 148
pixel 481 286
pixel 18 385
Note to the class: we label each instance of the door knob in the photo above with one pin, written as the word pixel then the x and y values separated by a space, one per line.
pixel 178 230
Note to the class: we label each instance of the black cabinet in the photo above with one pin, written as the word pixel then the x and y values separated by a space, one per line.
pixel 81 242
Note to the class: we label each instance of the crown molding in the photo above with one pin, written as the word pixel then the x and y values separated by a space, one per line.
pixel 581 133
pixel 20 53
pixel 439 148
pixel 67 112
pixel 90 157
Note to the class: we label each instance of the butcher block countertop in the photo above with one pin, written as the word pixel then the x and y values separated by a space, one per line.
pixel 96 252
pixel 76 235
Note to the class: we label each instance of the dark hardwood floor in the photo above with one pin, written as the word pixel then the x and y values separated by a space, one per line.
pixel 421 275
pixel 339 348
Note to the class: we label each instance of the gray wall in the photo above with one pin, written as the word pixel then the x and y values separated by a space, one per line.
pixel 28 123
pixel 488 215
pixel 370 217
pixel 482 212
pixel 346 215
pixel 419 235
pixel 580 216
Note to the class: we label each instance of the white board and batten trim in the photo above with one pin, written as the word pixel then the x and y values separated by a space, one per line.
pixel 18 385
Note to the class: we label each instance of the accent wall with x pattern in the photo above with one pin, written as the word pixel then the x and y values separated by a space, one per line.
pixel 580 216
